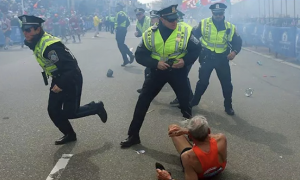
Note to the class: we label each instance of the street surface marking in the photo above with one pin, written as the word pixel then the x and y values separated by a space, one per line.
pixel 59 167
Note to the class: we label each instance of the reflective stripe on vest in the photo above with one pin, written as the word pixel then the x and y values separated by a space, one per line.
pixel 123 24
pixel 48 66
pixel 145 26
pixel 213 39
pixel 174 47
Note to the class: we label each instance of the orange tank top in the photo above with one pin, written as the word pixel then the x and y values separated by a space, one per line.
pixel 209 160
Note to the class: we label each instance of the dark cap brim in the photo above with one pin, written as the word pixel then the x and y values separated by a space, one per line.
pixel 154 16
pixel 218 10
pixel 171 17
pixel 27 26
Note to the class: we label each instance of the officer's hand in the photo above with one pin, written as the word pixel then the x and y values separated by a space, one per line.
pixel 162 65
pixel 179 65
pixel 136 34
pixel 231 56
pixel 56 89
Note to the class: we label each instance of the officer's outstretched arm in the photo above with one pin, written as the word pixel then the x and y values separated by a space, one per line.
pixel 143 56
pixel 193 50
pixel 236 42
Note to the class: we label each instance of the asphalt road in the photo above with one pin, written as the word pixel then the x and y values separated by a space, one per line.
pixel 263 136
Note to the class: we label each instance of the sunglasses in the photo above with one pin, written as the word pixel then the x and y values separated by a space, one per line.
pixel 27 30
pixel 218 13
pixel 171 20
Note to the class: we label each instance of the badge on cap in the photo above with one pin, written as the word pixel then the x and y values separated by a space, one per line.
pixel 173 9
pixel 24 19
pixel 217 6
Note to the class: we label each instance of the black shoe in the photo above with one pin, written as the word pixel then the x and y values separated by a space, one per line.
pixel 124 64
pixel 102 112
pixel 159 166
pixel 131 59
pixel 192 104
pixel 66 139
pixel 139 91
pixel 229 111
pixel 130 141
pixel 175 102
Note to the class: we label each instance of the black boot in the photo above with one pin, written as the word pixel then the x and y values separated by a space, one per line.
pixel 66 139
pixel 193 104
pixel 228 106
pixel 130 141
pixel 124 64
pixel 131 59
pixel 229 111
pixel 175 102
pixel 139 91
pixel 102 112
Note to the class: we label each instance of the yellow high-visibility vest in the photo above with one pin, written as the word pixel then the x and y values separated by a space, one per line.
pixel 213 39
pixel 123 24
pixel 145 25
pixel 48 66
pixel 174 47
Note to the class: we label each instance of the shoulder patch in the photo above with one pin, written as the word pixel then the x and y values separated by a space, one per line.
pixel 52 56
pixel 194 40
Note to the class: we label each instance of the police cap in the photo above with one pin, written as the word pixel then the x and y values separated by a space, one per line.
pixel 153 14
pixel 218 7
pixel 30 21
pixel 169 13
pixel 139 11
pixel 180 14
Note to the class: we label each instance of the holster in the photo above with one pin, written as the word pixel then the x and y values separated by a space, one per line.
pixel 45 77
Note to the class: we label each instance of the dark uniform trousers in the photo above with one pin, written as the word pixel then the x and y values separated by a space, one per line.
pixel 65 105
pixel 148 71
pixel 112 27
pixel 120 37
pixel 107 25
pixel 220 63
pixel 177 78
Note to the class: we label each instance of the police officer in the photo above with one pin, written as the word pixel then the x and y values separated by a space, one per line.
pixel 154 19
pixel 121 24
pixel 107 23
pixel 112 23
pixel 175 102
pixel 220 44
pixel 143 22
pixel 167 49
pixel 58 62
